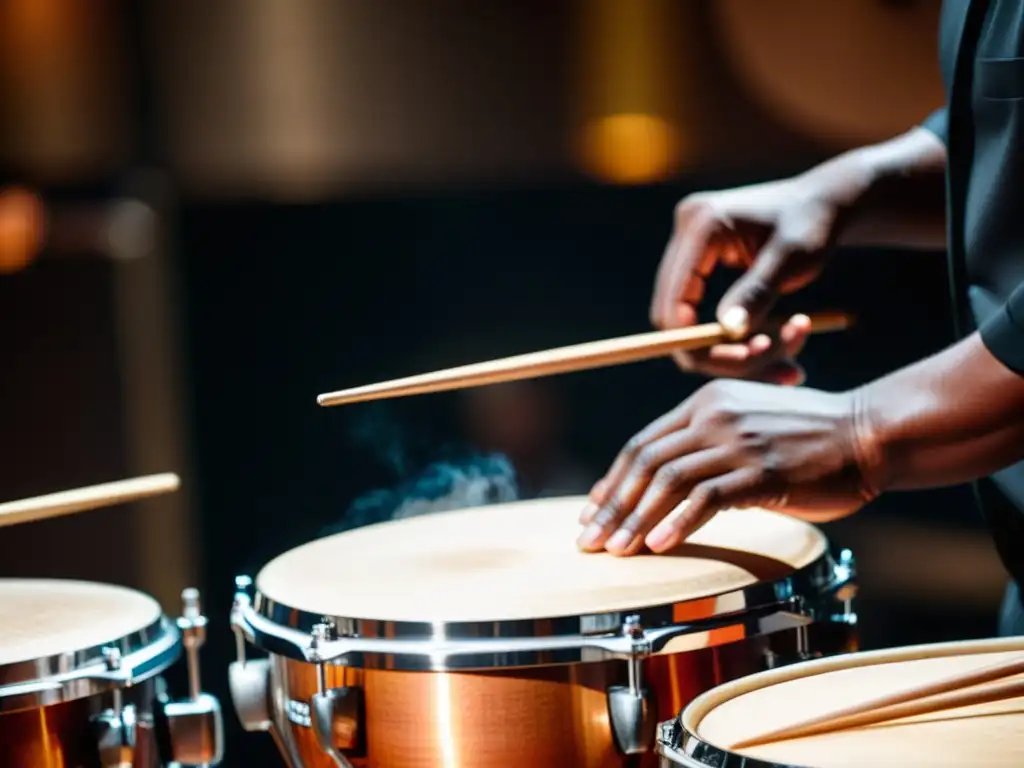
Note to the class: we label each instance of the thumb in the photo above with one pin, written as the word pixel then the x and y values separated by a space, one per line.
pixel 747 303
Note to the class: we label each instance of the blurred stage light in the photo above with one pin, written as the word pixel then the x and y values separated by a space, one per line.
pixel 22 228
pixel 63 85
pixel 630 148
pixel 631 89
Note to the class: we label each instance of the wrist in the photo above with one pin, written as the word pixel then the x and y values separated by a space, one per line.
pixel 867 435
pixel 887 193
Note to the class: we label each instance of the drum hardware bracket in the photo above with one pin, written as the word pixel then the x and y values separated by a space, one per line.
pixel 116 734
pixel 631 709
pixel 248 679
pixel 329 706
pixel 195 725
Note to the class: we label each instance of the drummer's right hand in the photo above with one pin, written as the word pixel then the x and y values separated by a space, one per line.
pixel 778 233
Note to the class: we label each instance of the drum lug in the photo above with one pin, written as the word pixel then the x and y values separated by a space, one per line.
pixel 631 708
pixel 335 711
pixel 195 725
pixel 116 735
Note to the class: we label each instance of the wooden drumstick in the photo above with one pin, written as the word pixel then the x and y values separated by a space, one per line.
pixel 82 499
pixel 579 357
pixel 953 692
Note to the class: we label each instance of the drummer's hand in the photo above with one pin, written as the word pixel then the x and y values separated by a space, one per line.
pixel 778 232
pixel 732 444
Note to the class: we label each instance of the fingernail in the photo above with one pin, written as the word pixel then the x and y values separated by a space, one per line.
pixel 587 513
pixel 620 540
pixel 659 537
pixel 589 537
pixel 735 320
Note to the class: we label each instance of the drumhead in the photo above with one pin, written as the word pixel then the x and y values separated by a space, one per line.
pixel 520 561
pixel 980 735
pixel 43 618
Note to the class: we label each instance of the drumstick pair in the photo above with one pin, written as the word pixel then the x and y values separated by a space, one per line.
pixel 579 357
pixel 957 691
pixel 87 498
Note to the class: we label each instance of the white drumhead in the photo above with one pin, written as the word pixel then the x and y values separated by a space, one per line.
pixel 520 561
pixel 44 617
pixel 980 735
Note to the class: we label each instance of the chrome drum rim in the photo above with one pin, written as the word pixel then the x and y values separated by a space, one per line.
pixel 76 674
pixel 821 591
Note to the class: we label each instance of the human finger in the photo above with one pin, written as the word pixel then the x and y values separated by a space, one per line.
pixel 635 478
pixel 688 258
pixel 668 488
pixel 735 489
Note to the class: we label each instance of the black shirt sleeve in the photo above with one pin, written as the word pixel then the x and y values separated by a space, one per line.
pixel 938 123
pixel 1003 333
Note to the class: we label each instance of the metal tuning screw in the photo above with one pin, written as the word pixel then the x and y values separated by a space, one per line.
pixel 193 635
pixel 195 725
pixel 631 708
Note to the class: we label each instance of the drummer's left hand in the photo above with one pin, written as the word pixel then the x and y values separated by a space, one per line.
pixel 732 444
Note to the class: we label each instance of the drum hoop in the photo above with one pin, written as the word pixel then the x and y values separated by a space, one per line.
pixel 119 663
pixel 679 742
pixel 817 592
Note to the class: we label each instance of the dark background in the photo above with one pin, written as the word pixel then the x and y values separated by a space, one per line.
pixel 444 211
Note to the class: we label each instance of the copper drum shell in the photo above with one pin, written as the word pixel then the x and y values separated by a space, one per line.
pixel 539 717
pixel 64 735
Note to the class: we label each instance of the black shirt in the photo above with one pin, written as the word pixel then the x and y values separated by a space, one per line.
pixel 982 57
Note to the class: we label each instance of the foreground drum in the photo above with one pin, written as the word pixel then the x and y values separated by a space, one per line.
pixel 79 685
pixel 483 637
pixel 980 735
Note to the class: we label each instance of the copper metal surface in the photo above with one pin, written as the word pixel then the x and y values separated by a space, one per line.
pixel 59 736
pixel 541 717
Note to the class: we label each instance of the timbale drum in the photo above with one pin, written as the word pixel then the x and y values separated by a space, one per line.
pixel 980 735
pixel 483 636
pixel 79 679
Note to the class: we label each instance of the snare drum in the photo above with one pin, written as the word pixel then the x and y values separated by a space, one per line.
pixel 79 685
pixel 484 637
pixel 976 736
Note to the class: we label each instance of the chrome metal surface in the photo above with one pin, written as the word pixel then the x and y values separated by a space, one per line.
pixel 805 596
pixel 678 747
pixel 193 636
pixel 249 682
pixel 324 707
pixel 631 712
pixel 116 736
pixel 195 725
pixel 90 671
pixel 196 731
pixel 633 718
pixel 243 599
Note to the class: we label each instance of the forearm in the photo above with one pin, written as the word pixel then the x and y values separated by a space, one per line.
pixel 890 194
pixel 949 419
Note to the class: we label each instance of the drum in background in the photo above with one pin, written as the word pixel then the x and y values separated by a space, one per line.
pixel 980 735
pixel 79 679
pixel 484 637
